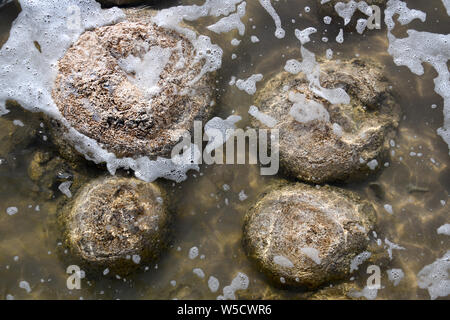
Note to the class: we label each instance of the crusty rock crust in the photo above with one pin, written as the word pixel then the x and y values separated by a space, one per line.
pixel 333 221
pixel 112 219
pixel 100 100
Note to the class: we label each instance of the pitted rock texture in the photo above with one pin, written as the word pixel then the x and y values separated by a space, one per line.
pixel 315 151
pixel 116 223
pixel 133 87
pixel 303 236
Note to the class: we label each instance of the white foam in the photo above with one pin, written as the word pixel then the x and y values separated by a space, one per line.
pixel 242 196
pixel 11 211
pixel 421 47
pixel 446 4
pixel 283 261
pixel 193 253
pixel 337 130
pixel 27 75
pixel 311 253
pixel 240 282
pixel 18 123
pixel 359 260
pixel 249 85
pixel 25 285
pixel 304 110
pixel 388 208
pixel 329 54
pixel 435 277
pixel 311 69
pixel 444 229
pixel 346 10
pixel 262 117
pixel 235 42
pixel 213 284
pixel 392 246
pixel 303 35
pixel 147 70
pixel 279 32
pixel 254 39
pixel 199 273
pixel 373 164
pixel 340 36
pixel 231 22
pixel 368 293
pixel 361 25
pixel 64 187
pixel 395 276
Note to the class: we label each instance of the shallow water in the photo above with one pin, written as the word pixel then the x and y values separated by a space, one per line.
pixel 210 217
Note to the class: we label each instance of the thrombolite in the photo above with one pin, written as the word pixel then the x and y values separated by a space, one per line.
pixel 324 142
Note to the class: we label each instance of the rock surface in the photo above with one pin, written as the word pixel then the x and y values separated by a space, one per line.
pixel 304 236
pixel 133 87
pixel 116 223
pixel 338 148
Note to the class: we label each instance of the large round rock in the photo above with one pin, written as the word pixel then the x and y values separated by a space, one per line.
pixel 116 223
pixel 305 236
pixel 332 142
pixel 133 87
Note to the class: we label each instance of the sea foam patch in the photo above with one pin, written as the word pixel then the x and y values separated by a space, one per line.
pixel 40 36
pixel 421 47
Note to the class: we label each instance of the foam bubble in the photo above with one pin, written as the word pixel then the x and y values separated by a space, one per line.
pixel 213 284
pixel 359 260
pixel 193 253
pixel 421 47
pixel 444 229
pixel 311 253
pixel 435 277
pixel 262 117
pixel 240 282
pixel 283 261
pixel 304 110
pixel 303 35
pixel 279 32
pixel 231 22
pixel 198 272
pixel 395 276
pixel 249 85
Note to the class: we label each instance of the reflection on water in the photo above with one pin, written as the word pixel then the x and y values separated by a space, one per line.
pixel 210 205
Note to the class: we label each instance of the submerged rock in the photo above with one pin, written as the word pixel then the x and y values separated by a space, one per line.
pixel 304 236
pixel 133 87
pixel 116 223
pixel 18 129
pixel 324 142
pixel 49 172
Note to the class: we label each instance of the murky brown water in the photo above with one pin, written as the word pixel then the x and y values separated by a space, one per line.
pixel 210 217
